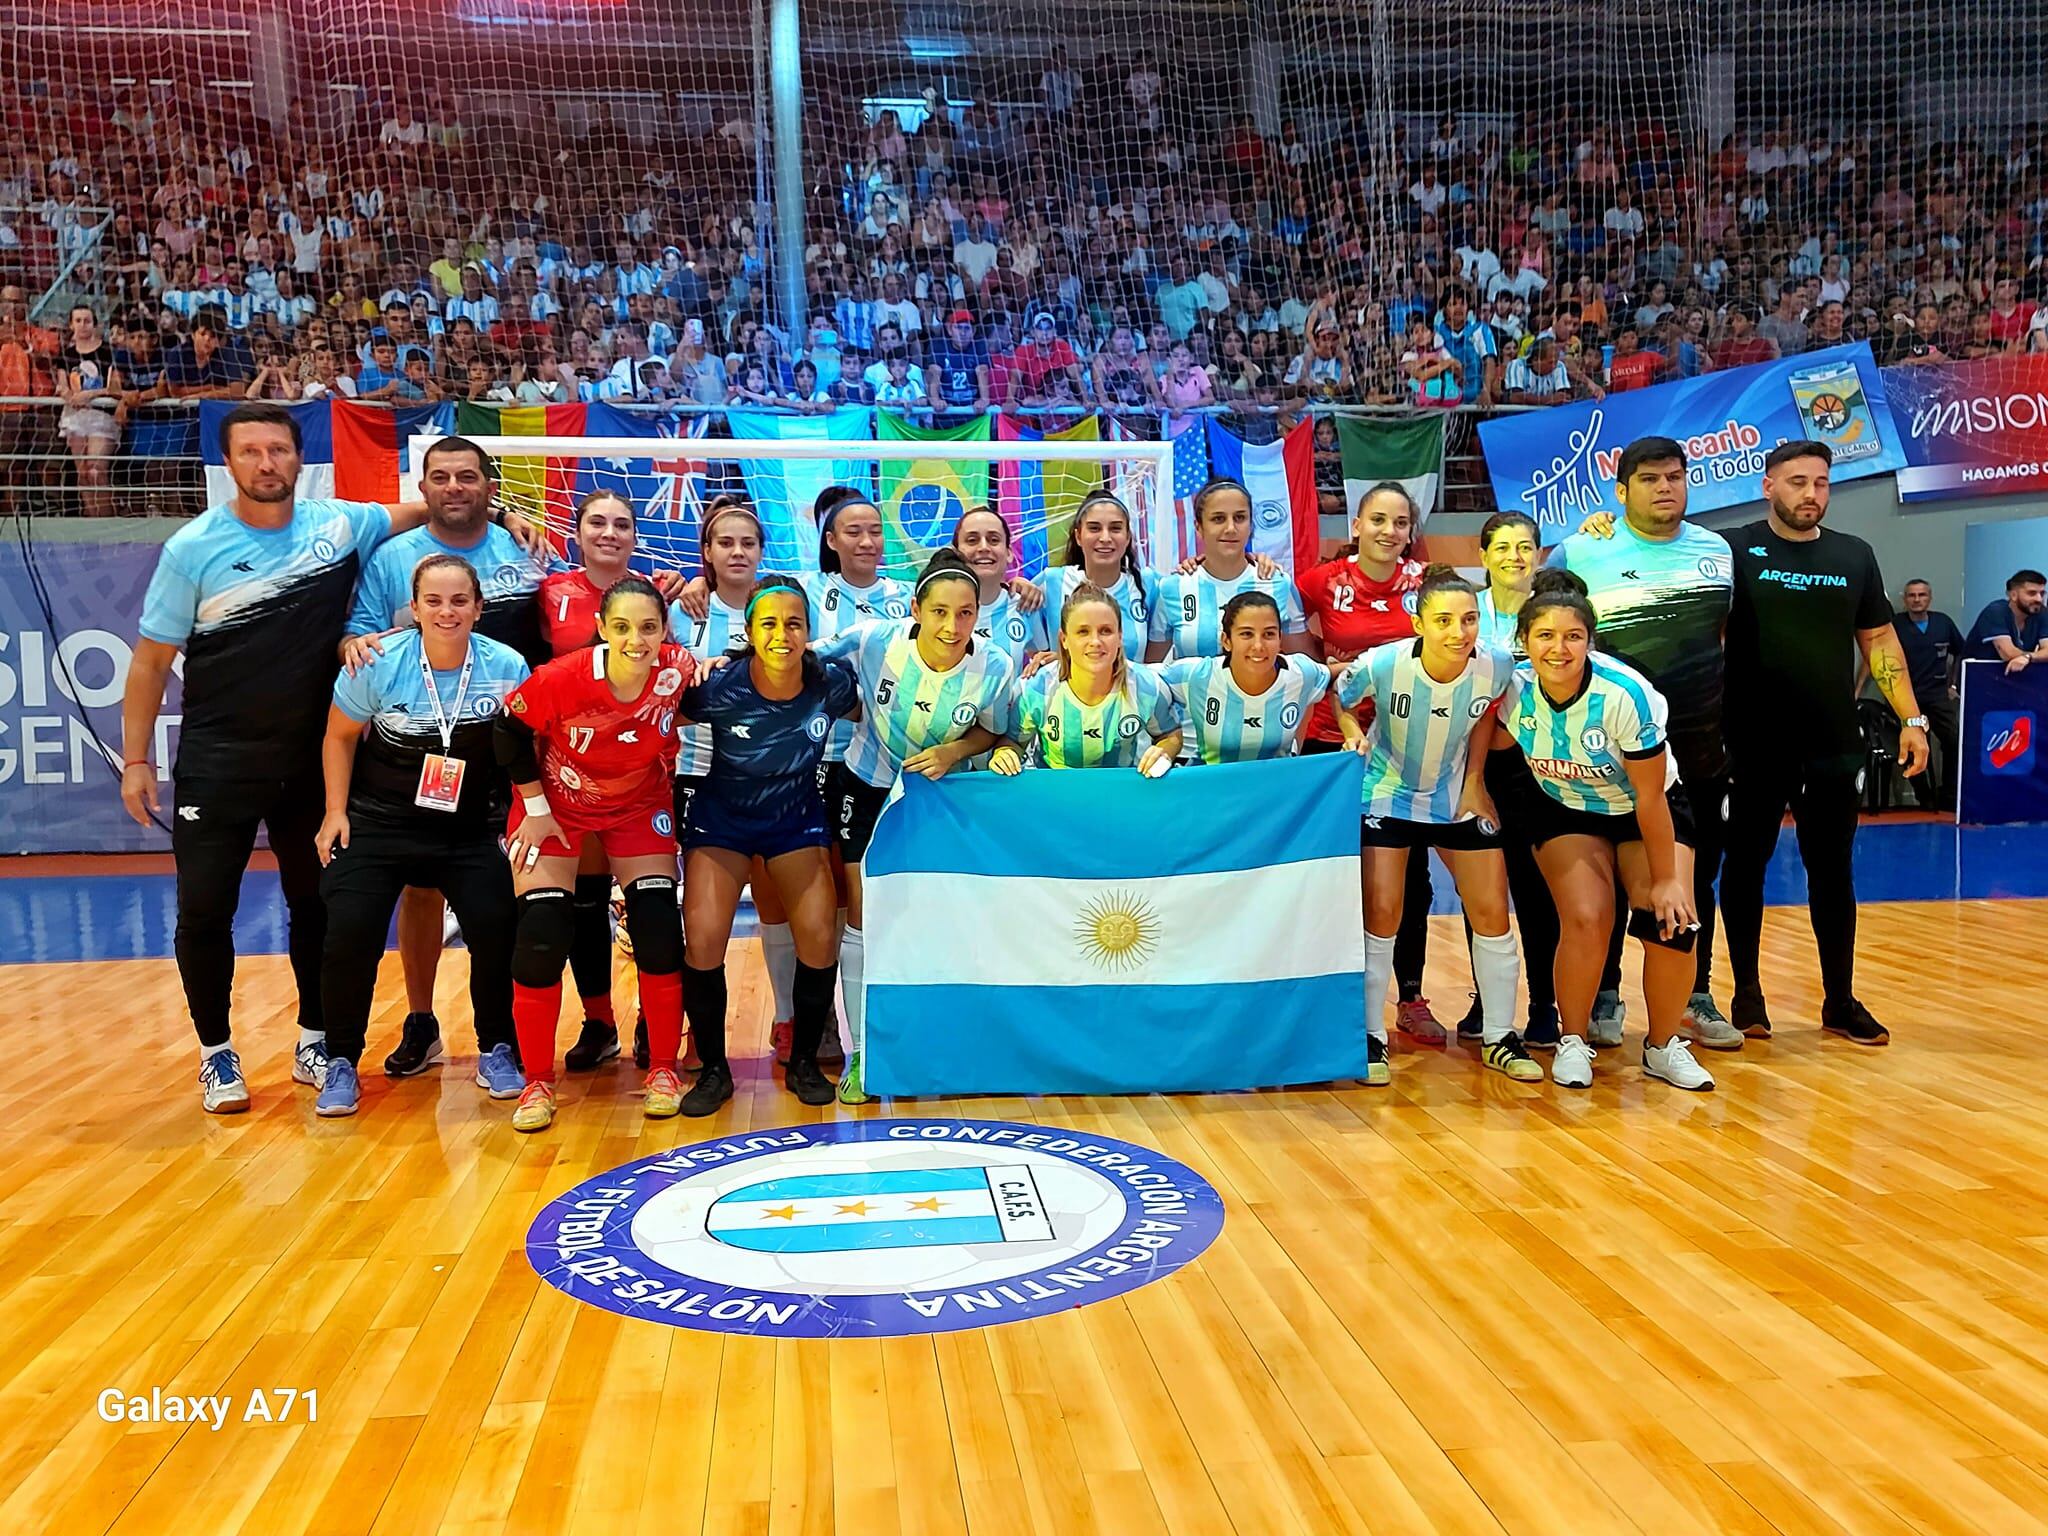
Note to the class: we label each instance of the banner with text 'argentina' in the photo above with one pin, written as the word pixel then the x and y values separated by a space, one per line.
pixel 1558 464
pixel 1102 932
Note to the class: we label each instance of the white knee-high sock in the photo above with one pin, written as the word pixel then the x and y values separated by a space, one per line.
pixel 1496 967
pixel 852 1005
pixel 778 949
pixel 1379 976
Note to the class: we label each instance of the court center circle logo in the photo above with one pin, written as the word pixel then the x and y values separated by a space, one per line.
pixel 874 1228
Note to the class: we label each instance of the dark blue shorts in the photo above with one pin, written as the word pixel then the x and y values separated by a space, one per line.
pixel 783 829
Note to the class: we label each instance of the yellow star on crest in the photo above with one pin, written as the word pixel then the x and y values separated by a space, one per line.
pixel 786 1212
pixel 858 1208
pixel 928 1203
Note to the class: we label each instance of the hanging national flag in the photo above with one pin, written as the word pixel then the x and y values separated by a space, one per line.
pixel 921 499
pixel 1286 524
pixel 1379 448
pixel 1095 964
pixel 316 463
pixel 785 491
pixel 373 447
pixel 1039 497
pixel 541 488
pixel 1190 474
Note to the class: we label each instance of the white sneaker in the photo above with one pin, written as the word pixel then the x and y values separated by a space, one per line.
pixel 309 1064
pixel 1675 1065
pixel 1572 1066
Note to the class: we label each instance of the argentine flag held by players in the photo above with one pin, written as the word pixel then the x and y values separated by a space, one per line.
pixel 1100 932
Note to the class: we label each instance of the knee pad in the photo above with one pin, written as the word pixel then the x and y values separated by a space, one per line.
pixel 593 890
pixel 655 925
pixel 1642 922
pixel 547 927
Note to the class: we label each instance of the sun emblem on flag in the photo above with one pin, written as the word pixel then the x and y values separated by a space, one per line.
pixel 1118 930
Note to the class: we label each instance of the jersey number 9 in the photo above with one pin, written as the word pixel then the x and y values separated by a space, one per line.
pixel 1187 608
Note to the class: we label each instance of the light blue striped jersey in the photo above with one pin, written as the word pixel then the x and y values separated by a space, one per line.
pixel 1189 609
pixel 1228 725
pixel 907 706
pixel 1060 580
pixel 1004 627
pixel 720 629
pixel 1112 733
pixel 1421 728
pixel 837 605
pixel 1497 629
pixel 1579 753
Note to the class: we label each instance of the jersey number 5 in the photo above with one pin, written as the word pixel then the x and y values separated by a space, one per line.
pixel 885 690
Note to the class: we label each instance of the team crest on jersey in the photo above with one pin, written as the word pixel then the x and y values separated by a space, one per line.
pixel 1711 567
pixel 816 727
pixel 1594 740
pixel 506 578
pixel 664 824
pixel 1290 716
pixel 667 721
pixel 896 608
pixel 1479 707
pixel 324 548
pixel 570 778
pixel 1018 628
pixel 517 704
pixel 484 707
pixel 1127 727
pixel 667 682
pixel 963 714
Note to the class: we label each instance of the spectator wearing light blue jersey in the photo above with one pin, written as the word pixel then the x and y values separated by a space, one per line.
pixel 1468 341
pixel 1597 793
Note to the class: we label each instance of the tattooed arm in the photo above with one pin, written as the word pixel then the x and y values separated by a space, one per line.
pixel 1886 661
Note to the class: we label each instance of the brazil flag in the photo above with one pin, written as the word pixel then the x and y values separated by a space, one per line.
pixel 922 498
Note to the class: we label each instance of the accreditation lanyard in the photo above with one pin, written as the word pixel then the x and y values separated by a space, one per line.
pixel 440 787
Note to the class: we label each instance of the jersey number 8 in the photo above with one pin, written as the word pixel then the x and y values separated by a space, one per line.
pixel 1214 712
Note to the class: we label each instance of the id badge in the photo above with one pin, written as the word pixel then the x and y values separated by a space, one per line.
pixel 440 783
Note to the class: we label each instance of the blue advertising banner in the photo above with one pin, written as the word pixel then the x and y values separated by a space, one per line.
pixel 1558 465
pixel 61 678
pixel 2004 767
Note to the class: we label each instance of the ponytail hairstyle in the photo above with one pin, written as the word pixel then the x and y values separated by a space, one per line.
pixel 742 649
pixel 721 507
pixel 1554 588
pixel 1386 487
pixel 1243 603
pixel 1084 593
pixel 446 562
pixel 1500 520
pixel 1441 578
pixel 828 505
pixel 1129 563
pixel 946 564
pixel 1210 488
pixel 629 586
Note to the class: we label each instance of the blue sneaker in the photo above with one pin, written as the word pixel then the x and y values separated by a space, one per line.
pixel 498 1074
pixel 309 1064
pixel 221 1088
pixel 339 1092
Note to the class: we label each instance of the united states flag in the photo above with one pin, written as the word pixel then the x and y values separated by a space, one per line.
pixel 1165 522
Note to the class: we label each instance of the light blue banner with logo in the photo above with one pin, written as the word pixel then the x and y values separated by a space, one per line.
pixel 1558 465
pixel 1096 931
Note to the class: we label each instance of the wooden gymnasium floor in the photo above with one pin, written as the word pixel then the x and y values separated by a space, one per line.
pixel 1810 1302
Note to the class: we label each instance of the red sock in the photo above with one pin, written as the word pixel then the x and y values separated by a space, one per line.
pixel 661 999
pixel 535 1013
pixel 600 1008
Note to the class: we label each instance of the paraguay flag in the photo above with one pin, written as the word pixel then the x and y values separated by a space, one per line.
pixel 1286 526
pixel 1115 963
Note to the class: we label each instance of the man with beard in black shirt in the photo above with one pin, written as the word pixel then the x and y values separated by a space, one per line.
pixel 1807 599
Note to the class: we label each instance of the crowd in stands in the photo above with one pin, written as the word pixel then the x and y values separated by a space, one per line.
pixel 1098 248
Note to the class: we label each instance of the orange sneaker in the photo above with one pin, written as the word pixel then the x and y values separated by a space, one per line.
pixel 664 1094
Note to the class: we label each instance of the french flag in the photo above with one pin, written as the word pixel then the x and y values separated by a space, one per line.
pixel 1286 526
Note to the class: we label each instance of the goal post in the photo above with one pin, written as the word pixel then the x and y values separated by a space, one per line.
pixel 921 488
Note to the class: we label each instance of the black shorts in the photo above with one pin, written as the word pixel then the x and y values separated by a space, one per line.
pixel 1467 836
pixel 686 787
pixel 851 806
pixel 714 824
pixel 1540 817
